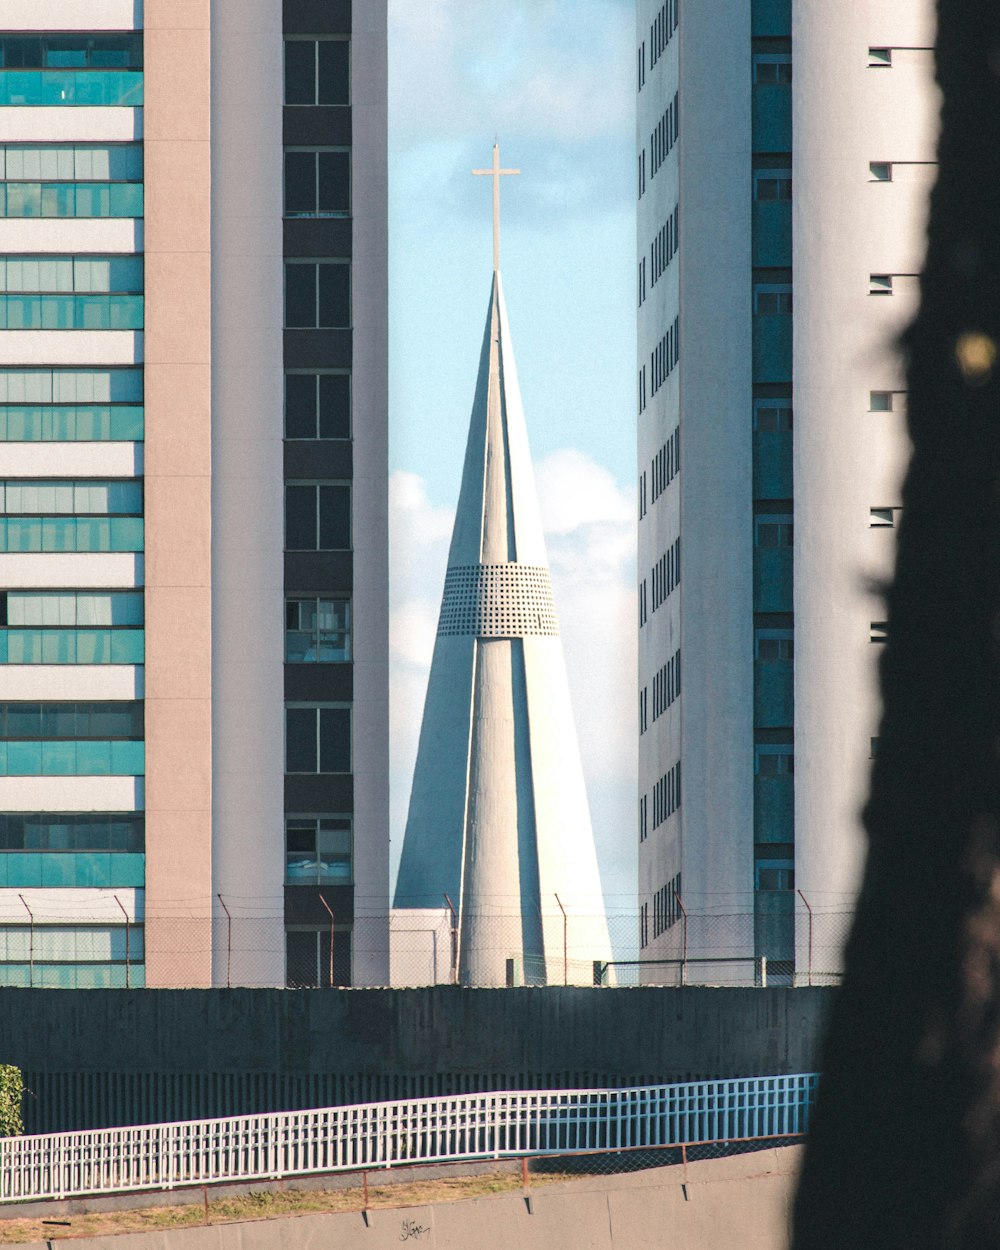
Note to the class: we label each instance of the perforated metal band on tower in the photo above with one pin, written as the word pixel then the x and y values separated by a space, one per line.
pixel 498 601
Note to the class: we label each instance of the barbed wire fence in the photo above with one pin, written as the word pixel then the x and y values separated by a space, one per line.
pixel 251 943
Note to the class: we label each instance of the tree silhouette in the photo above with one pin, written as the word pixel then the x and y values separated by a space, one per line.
pixel 904 1150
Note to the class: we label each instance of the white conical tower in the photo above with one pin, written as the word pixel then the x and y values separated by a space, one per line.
pixel 498 815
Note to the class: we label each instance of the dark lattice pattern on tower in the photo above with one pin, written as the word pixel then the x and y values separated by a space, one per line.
pixel 498 601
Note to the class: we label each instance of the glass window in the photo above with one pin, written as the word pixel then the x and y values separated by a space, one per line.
pixel 317 71
pixel 773 530
pixel 772 184
pixel 318 739
pixel 317 516
pixel 773 759
pixel 772 416
pixel 311 960
pixel 772 68
pixel 880 401
pixel 775 874
pixel 317 183
pixel 319 850
pixel 317 630
pixel 773 644
pixel 317 294
pixel 772 299
pixel 317 405
pixel 880 171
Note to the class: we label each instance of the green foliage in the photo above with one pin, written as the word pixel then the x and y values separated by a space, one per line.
pixel 11 1090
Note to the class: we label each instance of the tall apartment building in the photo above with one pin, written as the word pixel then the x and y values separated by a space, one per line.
pixel 785 151
pixel 193 676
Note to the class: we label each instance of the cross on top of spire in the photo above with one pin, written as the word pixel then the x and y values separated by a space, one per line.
pixel 494 172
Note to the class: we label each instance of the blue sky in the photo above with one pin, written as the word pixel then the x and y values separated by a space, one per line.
pixel 553 80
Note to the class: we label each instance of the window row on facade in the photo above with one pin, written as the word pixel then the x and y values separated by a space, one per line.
pixel 667 908
pixel 667 795
pixel 666 464
pixel 666 684
pixel 664 135
pixel 666 575
pixel 665 356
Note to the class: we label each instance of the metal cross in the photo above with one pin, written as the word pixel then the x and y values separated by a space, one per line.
pixel 495 173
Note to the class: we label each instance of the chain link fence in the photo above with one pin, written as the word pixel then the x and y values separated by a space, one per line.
pixel 242 946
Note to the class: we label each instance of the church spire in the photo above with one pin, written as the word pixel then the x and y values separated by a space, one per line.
pixel 498 818
pixel 495 172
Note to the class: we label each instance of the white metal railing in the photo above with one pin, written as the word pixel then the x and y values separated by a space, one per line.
pixel 387 1134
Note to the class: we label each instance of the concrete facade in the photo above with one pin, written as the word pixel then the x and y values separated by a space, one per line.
pixel 190 188
pixel 784 154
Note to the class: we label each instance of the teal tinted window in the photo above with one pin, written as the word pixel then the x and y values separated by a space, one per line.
pixel 71 274
pixel 72 831
pixel 71 386
pixel 79 199
pixel 64 88
pixel 118 496
pixel 67 646
pixel 71 312
pixel 92 423
pixel 71 534
pixel 71 162
pixel 72 759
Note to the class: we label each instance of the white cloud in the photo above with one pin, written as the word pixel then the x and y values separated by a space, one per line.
pixel 590 532
pixel 488 65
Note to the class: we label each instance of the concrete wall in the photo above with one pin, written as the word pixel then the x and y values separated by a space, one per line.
pixel 741 1201
pixel 101 1057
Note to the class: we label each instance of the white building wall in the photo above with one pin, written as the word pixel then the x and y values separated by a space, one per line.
pixel 708 840
pixel 848 459
pixel 370 491
pixel 248 508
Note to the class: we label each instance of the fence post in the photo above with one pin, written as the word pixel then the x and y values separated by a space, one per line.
pixel 565 943
pixel 810 911
pixel 128 984
pixel 328 908
pixel 31 943
pixel 229 943
pixel 453 974
pixel 684 935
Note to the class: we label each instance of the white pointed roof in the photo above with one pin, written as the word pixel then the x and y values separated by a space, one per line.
pixel 497 519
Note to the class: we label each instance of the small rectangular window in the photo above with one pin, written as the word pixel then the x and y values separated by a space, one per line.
pixel 880 284
pixel 772 416
pixel 772 69
pixel 880 401
pixel 317 71
pixel 774 645
pixel 317 406
pixel 772 184
pixel 319 850
pixel 879 58
pixel 882 518
pixel 880 171
pixel 317 183
pixel 317 739
pixel 773 530
pixel 775 874
pixel 772 299
pixel 879 631
pixel 317 295
pixel 317 630
pixel 317 516
pixel 774 759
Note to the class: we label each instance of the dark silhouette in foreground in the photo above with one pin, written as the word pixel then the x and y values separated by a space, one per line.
pixel 904 1150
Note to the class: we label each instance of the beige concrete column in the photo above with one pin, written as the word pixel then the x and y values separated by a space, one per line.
pixel 178 493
